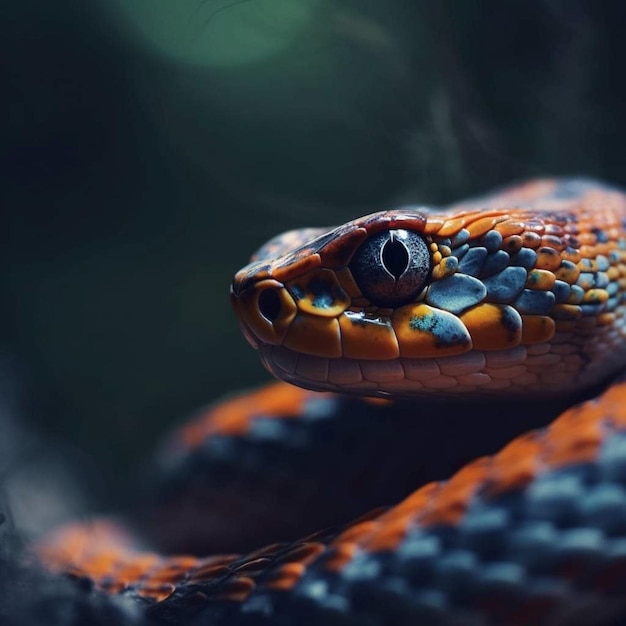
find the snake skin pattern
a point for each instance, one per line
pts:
(516, 297)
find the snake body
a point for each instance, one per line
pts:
(515, 298)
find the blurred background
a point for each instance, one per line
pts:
(148, 147)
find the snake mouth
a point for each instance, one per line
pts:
(504, 373)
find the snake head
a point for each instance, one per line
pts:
(477, 298)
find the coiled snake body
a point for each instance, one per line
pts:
(513, 300)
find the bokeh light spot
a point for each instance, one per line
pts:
(217, 32)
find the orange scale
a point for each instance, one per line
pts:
(286, 577)
(542, 280)
(604, 248)
(617, 418)
(613, 272)
(552, 241)
(591, 264)
(613, 233)
(493, 326)
(339, 251)
(388, 536)
(439, 271)
(583, 225)
(260, 271)
(394, 219)
(451, 501)
(554, 228)
(481, 226)
(452, 227)
(103, 563)
(531, 240)
(510, 228)
(468, 476)
(447, 266)
(571, 254)
(595, 296)
(578, 418)
(515, 465)
(309, 287)
(433, 225)
(155, 592)
(235, 589)
(537, 329)
(339, 556)
(317, 336)
(566, 312)
(205, 574)
(447, 510)
(606, 319)
(424, 331)
(368, 338)
(587, 252)
(587, 238)
(512, 244)
(548, 259)
(168, 574)
(579, 447)
(584, 421)
(567, 274)
(137, 567)
(536, 227)
(417, 502)
(299, 262)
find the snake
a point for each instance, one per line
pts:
(497, 314)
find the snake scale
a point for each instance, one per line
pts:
(516, 299)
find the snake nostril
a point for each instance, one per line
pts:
(269, 304)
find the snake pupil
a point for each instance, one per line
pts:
(269, 305)
(395, 256)
(392, 266)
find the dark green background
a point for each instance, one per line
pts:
(148, 147)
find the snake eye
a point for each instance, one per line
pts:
(391, 267)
